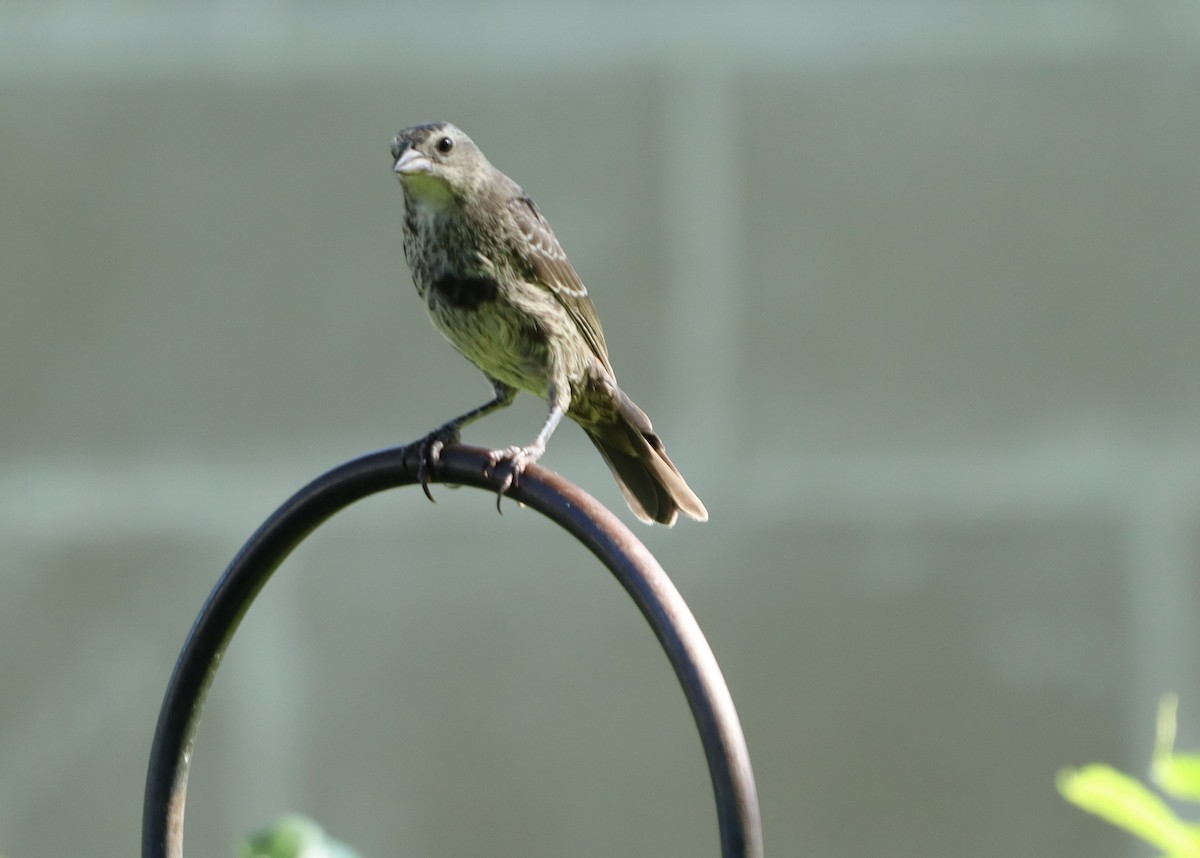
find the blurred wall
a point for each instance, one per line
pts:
(909, 289)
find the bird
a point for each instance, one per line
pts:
(497, 285)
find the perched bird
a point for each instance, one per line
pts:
(500, 289)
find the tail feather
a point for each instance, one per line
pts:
(649, 480)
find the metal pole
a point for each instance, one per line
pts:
(559, 500)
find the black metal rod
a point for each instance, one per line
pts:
(559, 500)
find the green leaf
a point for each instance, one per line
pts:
(1178, 775)
(294, 836)
(1125, 802)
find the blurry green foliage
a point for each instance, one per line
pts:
(1128, 804)
(293, 836)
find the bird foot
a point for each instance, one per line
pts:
(512, 461)
(431, 447)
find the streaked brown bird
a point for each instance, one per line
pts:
(499, 287)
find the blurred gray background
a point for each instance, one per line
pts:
(909, 288)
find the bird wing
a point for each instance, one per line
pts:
(550, 266)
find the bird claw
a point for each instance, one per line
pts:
(430, 452)
(514, 461)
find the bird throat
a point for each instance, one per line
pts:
(427, 191)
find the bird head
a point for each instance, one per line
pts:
(438, 162)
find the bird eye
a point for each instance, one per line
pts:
(445, 145)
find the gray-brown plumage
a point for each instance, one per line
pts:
(500, 289)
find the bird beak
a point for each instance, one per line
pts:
(411, 162)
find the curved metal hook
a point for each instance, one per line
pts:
(559, 500)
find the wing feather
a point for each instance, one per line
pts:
(550, 267)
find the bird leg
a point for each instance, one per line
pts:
(517, 459)
(448, 433)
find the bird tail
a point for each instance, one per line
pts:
(650, 482)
